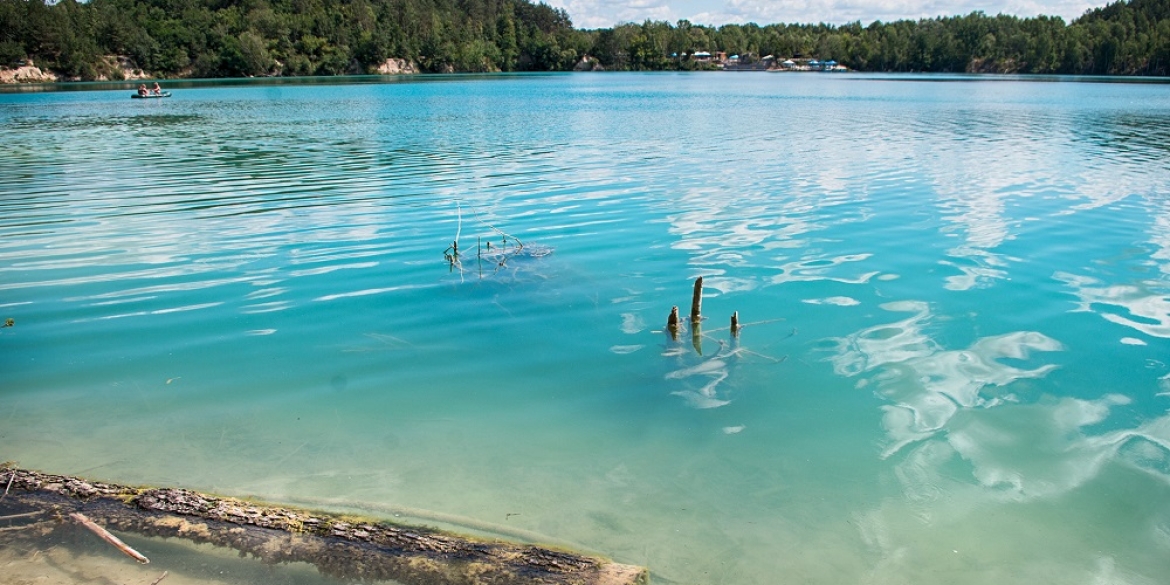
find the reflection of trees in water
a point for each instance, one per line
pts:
(1088, 158)
(1126, 157)
(1128, 137)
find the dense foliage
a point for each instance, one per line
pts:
(232, 38)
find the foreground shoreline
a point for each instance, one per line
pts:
(339, 546)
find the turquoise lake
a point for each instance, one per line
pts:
(956, 290)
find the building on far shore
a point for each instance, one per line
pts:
(750, 62)
(799, 64)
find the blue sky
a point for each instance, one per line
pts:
(607, 13)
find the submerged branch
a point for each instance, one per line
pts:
(110, 538)
(25, 515)
(506, 236)
(742, 326)
(27, 526)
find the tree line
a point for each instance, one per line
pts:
(239, 38)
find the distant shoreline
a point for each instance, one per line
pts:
(180, 84)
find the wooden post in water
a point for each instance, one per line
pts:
(697, 316)
(735, 324)
(697, 301)
(672, 322)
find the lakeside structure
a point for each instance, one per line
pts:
(810, 65)
(725, 62)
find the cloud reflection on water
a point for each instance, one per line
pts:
(778, 210)
(1149, 309)
(926, 384)
(946, 401)
(980, 217)
(965, 448)
(1160, 238)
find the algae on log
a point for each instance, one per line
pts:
(336, 545)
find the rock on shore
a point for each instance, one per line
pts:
(29, 73)
(110, 68)
(396, 67)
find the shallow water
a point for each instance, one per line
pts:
(70, 554)
(957, 292)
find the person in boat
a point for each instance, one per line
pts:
(157, 90)
(142, 89)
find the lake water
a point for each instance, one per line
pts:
(956, 290)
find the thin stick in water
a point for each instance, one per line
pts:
(26, 526)
(11, 476)
(519, 244)
(110, 538)
(24, 515)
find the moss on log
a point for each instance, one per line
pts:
(340, 546)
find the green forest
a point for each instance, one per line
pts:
(243, 38)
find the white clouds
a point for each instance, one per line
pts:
(606, 13)
(589, 14)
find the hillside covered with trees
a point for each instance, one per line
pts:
(238, 38)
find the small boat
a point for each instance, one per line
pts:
(139, 96)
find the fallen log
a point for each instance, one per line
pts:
(341, 546)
